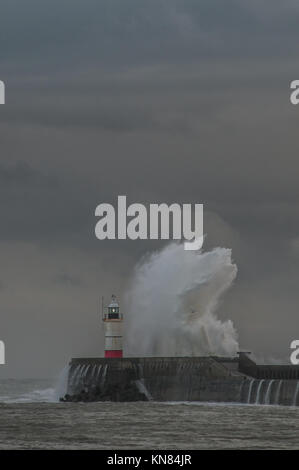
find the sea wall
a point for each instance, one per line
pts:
(161, 379)
(209, 379)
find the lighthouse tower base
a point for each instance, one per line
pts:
(114, 353)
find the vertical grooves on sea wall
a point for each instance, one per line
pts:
(270, 392)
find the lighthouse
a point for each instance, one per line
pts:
(113, 321)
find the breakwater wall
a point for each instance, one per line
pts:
(209, 379)
(160, 379)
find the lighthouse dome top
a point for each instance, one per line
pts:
(114, 302)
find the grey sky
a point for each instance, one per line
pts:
(173, 101)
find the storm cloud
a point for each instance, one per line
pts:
(163, 101)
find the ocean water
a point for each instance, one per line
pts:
(31, 418)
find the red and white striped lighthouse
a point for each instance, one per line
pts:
(113, 321)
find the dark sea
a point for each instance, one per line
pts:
(31, 417)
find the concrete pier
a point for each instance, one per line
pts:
(209, 379)
(162, 379)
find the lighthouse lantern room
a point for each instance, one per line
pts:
(113, 321)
